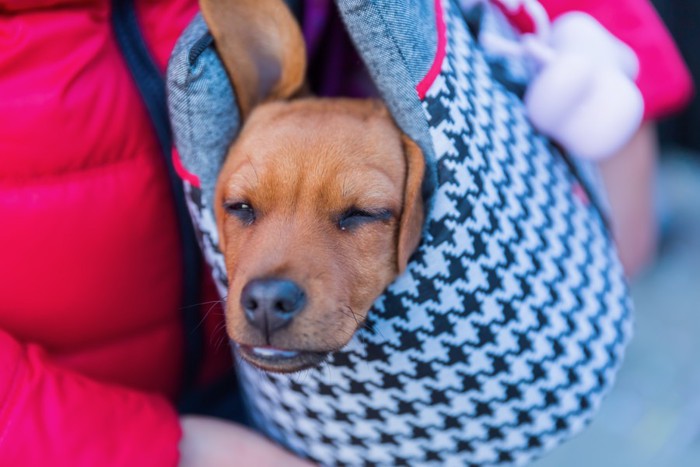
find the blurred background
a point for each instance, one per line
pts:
(652, 415)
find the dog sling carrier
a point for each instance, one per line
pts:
(505, 331)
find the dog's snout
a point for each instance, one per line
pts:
(271, 304)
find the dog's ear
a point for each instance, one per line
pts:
(261, 46)
(413, 214)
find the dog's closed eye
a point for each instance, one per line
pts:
(242, 210)
(355, 217)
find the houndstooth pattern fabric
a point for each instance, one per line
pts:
(203, 220)
(506, 330)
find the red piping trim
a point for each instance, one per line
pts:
(580, 193)
(428, 80)
(184, 174)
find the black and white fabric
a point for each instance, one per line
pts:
(506, 330)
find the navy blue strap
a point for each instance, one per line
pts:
(151, 86)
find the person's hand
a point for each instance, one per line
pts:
(629, 178)
(210, 442)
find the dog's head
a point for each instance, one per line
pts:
(318, 204)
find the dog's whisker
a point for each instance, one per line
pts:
(219, 342)
(354, 315)
(211, 308)
(359, 322)
(218, 334)
(257, 179)
(220, 326)
(202, 303)
(351, 314)
(365, 323)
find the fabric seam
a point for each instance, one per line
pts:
(6, 419)
(426, 83)
(141, 156)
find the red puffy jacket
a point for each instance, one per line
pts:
(91, 338)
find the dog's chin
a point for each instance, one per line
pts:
(279, 360)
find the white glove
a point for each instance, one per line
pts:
(584, 96)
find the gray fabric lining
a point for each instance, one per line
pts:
(203, 110)
(397, 42)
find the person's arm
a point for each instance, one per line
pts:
(212, 442)
(629, 178)
(52, 416)
(666, 86)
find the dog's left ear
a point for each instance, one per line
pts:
(412, 215)
(261, 46)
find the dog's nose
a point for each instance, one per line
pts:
(271, 304)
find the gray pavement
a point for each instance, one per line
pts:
(651, 418)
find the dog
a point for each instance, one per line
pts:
(318, 204)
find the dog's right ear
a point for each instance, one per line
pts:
(413, 214)
(261, 46)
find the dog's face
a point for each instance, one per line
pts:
(318, 207)
(318, 204)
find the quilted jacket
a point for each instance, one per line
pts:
(91, 334)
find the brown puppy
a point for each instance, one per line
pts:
(318, 204)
